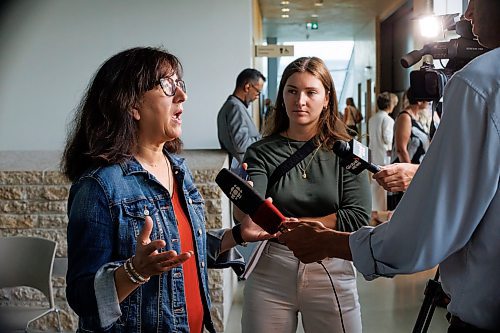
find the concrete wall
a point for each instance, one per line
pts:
(50, 49)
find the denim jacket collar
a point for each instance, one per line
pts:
(131, 165)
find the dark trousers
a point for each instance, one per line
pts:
(458, 326)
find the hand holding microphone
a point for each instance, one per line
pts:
(354, 156)
(396, 177)
(243, 196)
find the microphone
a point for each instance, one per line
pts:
(262, 212)
(354, 156)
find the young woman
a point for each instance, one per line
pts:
(317, 187)
(135, 215)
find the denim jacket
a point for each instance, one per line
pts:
(106, 210)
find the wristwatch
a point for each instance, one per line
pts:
(236, 231)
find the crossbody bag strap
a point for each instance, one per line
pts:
(291, 161)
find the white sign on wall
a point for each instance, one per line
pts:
(273, 51)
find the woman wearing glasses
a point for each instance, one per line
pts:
(137, 248)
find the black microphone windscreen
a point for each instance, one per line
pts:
(341, 148)
(239, 191)
(262, 212)
(354, 156)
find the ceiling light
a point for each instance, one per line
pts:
(285, 10)
(318, 3)
(430, 26)
(314, 15)
(285, 2)
(285, 15)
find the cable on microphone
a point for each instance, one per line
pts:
(336, 296)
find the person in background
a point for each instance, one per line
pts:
(268, 108)
(352, 117)
(137, 249)
(280, 286)
(449, 214)
(411, 141)
(394, 100)
(235, 128)
(424, 118)
(380, 129)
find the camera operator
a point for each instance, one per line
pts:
(450, 213)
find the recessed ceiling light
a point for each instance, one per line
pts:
(318, 3)
(285, 10)
(285, 15)
(285, 2)
(314, 15)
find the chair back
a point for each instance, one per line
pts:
(27, 261)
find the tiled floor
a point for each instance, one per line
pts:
(387, 305)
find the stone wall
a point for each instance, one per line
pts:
(33, 195)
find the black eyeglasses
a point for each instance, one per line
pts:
(258, 91)
(169, 86)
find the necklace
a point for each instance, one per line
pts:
(153, 165)
(167, 180)
(303, 170)
(170, 177)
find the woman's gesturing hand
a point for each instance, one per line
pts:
(148, 260)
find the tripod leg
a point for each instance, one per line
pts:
(423, 315)
(429, 317)
(428, 305)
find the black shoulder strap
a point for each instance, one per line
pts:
(290, 162)
(405, 112)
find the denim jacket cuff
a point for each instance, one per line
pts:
(230, 258)
(108, 305)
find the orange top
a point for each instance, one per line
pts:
(190, 268)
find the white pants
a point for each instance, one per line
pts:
(280, 286)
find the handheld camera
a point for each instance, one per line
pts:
(428, 83)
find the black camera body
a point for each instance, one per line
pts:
(428, 83)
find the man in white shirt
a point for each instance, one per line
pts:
(450, 213)
(380, 131)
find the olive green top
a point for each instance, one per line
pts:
(328, 188)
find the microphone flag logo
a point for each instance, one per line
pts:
(236, 192)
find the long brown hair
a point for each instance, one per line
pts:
(103, 131)
(330, 127)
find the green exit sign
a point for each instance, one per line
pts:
(312, 25)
